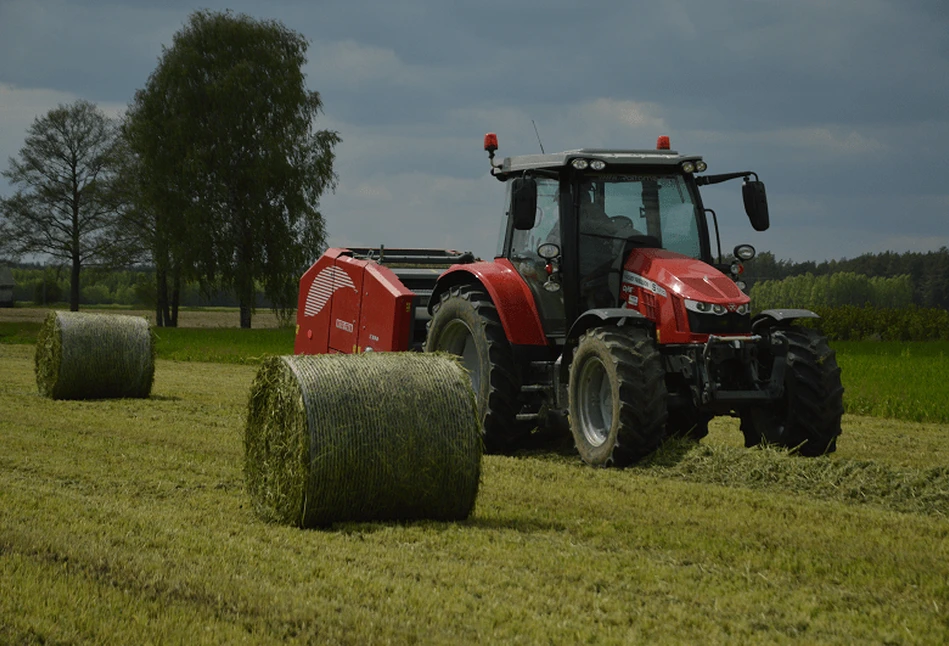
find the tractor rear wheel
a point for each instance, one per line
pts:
(617, 396)
(465, 323)
(807, 417)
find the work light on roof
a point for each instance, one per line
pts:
(597, 164)
(580, 164)
(688, 167)
(700, 166)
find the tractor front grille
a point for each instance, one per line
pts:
(729, 323)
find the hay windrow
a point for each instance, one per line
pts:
(94, 356)
(768, 468)
(377, 436)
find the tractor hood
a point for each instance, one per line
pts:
(683, 276)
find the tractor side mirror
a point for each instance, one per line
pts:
(756, 204)
(524, 202)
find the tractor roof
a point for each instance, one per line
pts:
(554, 161)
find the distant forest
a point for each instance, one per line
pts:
(924, 275)
(49, 285)
(927, 273)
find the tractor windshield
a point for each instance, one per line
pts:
(655, 209)
(660, 206)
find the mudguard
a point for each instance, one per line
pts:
(769, 318)
(509, 293)
(604, 315)
(592, 318)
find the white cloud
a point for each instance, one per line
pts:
(632, 114)
(837, 140)
(416, 209)
(349, 63)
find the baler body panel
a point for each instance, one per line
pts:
(348, 305)
(386, 315)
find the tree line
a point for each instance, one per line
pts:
(135, 287)
(924, 275)
(833, 290)
(213, 176)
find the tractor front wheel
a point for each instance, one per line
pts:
(465, 323)
(617, 396)
(807, 417)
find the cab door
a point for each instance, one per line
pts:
(522, 252)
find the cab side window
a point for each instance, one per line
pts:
(546, 222)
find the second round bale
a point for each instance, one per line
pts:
(94, 356)
(375, 436)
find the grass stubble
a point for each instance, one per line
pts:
(126, 521)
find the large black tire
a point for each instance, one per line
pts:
(618, 398)
(807, 418)
(465, 323)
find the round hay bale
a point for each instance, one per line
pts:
(94, 356)
(374, 436)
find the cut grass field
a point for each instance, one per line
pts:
(898, 380)
(126, 521)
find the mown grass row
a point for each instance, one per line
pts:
(923, 490)
(126, 521)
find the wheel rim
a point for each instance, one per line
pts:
(595, 405)
(456, 339)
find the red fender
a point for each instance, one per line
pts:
(510, 294)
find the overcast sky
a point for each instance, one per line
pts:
(841, 107)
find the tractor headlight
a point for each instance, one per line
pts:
(700, 166)
(688, 167)
(698, 306)
(716, 308)
(597, 164)
(580, 164)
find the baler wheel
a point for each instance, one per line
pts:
(807, 418)
(465, 323)
(618, 398)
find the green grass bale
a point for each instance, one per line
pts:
(94, 356)
(369, 437)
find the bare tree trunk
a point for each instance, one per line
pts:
(161, 298)
(175, 297)
(245, 275)
(74, 285)
(245, 314)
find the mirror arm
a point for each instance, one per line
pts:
(718, 239)
(703, 180)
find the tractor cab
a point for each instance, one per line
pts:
(575, 219)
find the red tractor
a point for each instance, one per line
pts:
(606, 308)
